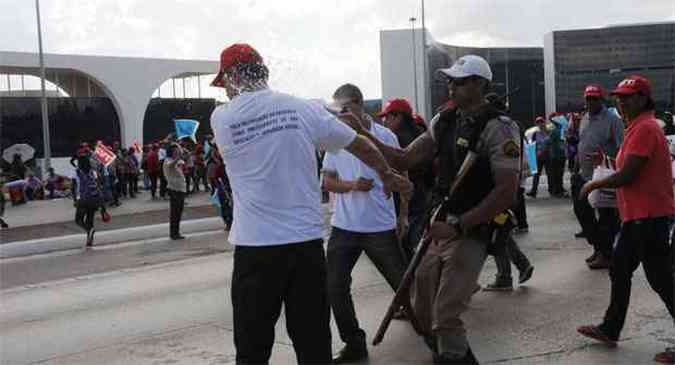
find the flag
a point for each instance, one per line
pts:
(207, 148)
(186, 128)
(531, 151)
(137, 147)
(563, 123)
(104, 154)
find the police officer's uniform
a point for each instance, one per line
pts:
(446, 277)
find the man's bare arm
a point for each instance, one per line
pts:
(498, 200)
(333, 184)
(421, 149)
(367, 152)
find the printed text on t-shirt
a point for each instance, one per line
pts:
(263, 125)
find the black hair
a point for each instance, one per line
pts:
(349, 91)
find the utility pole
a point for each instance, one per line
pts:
(45, 114)
(414, 57)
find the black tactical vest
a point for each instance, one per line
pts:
(455, 136)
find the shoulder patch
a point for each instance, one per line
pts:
(511, 149)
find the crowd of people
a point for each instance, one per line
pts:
(470, 162)
(471, 157)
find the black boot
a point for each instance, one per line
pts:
(467, 359)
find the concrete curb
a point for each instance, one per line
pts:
(61, 243)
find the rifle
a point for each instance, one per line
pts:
(402, 291)
(439, 211)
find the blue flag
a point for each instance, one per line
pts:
(207, 148)
(531, 150)
(186, 128)
(563, 123)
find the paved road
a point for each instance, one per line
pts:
(110, 308)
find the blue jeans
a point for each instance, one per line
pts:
(344, 249)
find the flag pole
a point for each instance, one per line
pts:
(45, 115)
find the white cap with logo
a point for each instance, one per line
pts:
(469, 65)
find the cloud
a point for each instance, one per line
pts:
(312, 46)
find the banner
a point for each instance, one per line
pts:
(531, 151)
(104, 155)
(186, 128)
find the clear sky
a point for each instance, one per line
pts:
(312, 46)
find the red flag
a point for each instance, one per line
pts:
(137, 147)
(104, 155)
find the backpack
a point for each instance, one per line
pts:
(88, 185)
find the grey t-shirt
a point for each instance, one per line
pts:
(603, 130)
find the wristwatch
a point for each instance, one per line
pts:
(453, 221)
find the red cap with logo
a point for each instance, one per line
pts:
(632, 85)
(396, 105)
(232, 56)
(593, 91)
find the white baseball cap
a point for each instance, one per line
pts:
(469, 65)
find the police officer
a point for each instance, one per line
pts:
(447, 275)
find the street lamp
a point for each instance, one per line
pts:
(414, 57)
(45, 116)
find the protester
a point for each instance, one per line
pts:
(18, 168)
(173, 171)
(599, 131)
(398, 116)
(89, 198)
(224, 194)
(540, 138)
(3, 224)
(556, 159)
(364, 221)
(645, 200)
(446, 278)
(264, 137)
(152, 169)
(55, 184)
(132, 172)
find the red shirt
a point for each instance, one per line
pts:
(650, 195)
(152, 162)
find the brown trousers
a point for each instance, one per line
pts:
(444, 283)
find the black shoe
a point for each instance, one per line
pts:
(177, 237)
(90, 238)
(500, 284)
(467, 359)
(525, 275)
(580, 234)
(351, 354)
(592, 257)
(531, 194)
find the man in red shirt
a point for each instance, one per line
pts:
(152, 166)
(645, 200)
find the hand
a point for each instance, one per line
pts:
(441, 231)
(362, 184)
(597, 158)
(402, 227)
(586, 189)
(395, 182)
(352, 120)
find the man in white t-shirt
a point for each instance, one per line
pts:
(268, 141)
(364, 221)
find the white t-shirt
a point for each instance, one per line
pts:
(268, 141)
(358, 211)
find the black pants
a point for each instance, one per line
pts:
(601, 230)
(84, 214)
(344, 249)
(519, 209)
(153, 183)
(176, 205)
(264, 279)
(554, 173)
(507, 252)
(643, 242)
(132, 181)
(542, 164)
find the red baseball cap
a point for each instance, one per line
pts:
(232, 56)
(593, 91)
(396, 105)
(634, 84)
(419, 120)
(540, 120)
